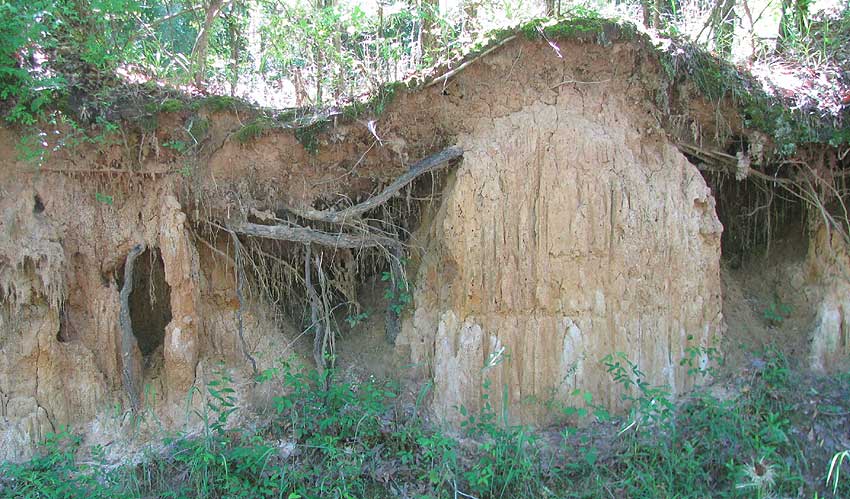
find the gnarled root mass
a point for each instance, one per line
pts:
(350, 233)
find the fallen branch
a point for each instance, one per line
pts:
(128, 339)
(307, 236)
(426, 165)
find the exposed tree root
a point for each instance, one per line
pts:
(342, 239)
(312, 236)
(817, 183)
(327, 348)
(129, 366)
(315, 304)
(369, 237)
(433, 162)
(237, 268)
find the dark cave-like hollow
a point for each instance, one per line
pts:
(150, 302)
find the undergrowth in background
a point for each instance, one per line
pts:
(355, 440)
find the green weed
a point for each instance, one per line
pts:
(253, 130)
(55, 473)
(397, 293)
(221, 103)
(171, 106)
(776, 312)
(348, 440)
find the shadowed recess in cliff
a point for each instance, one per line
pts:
(150, 304)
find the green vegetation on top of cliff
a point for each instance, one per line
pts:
(715, 78)
(59, 57)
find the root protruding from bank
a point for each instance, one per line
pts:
(344, 238)
(431, 163)
(240, 327)
(129, 362)
(308, 235)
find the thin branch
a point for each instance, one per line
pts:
(445, 77)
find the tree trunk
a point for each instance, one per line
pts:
(234, 39)
(202, 41)
(319, 55)
(647, 13)
(429, 10)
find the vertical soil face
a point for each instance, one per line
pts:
(565, 237)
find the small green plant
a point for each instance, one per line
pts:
(308, 135)
(339, 428)
(198, 128)
(253, 130)
(106, 136)
(222, 401)
(835, 464)
(33, 149)
(221, 103)
(398, 295)
(222, 462)
(587, 448)
(776, 312)
(175, 145)
(586, 409)
(648, 404)
(701, 360)
(171, 106)
(507, 455)
(54, 472)
(186, 169)
(354, 319)
(104, 198)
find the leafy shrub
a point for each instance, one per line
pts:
(507, 456)
(54, 473)
(346, 440)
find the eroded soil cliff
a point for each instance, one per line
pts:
(571, 228)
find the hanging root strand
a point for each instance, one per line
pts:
(129, 362)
